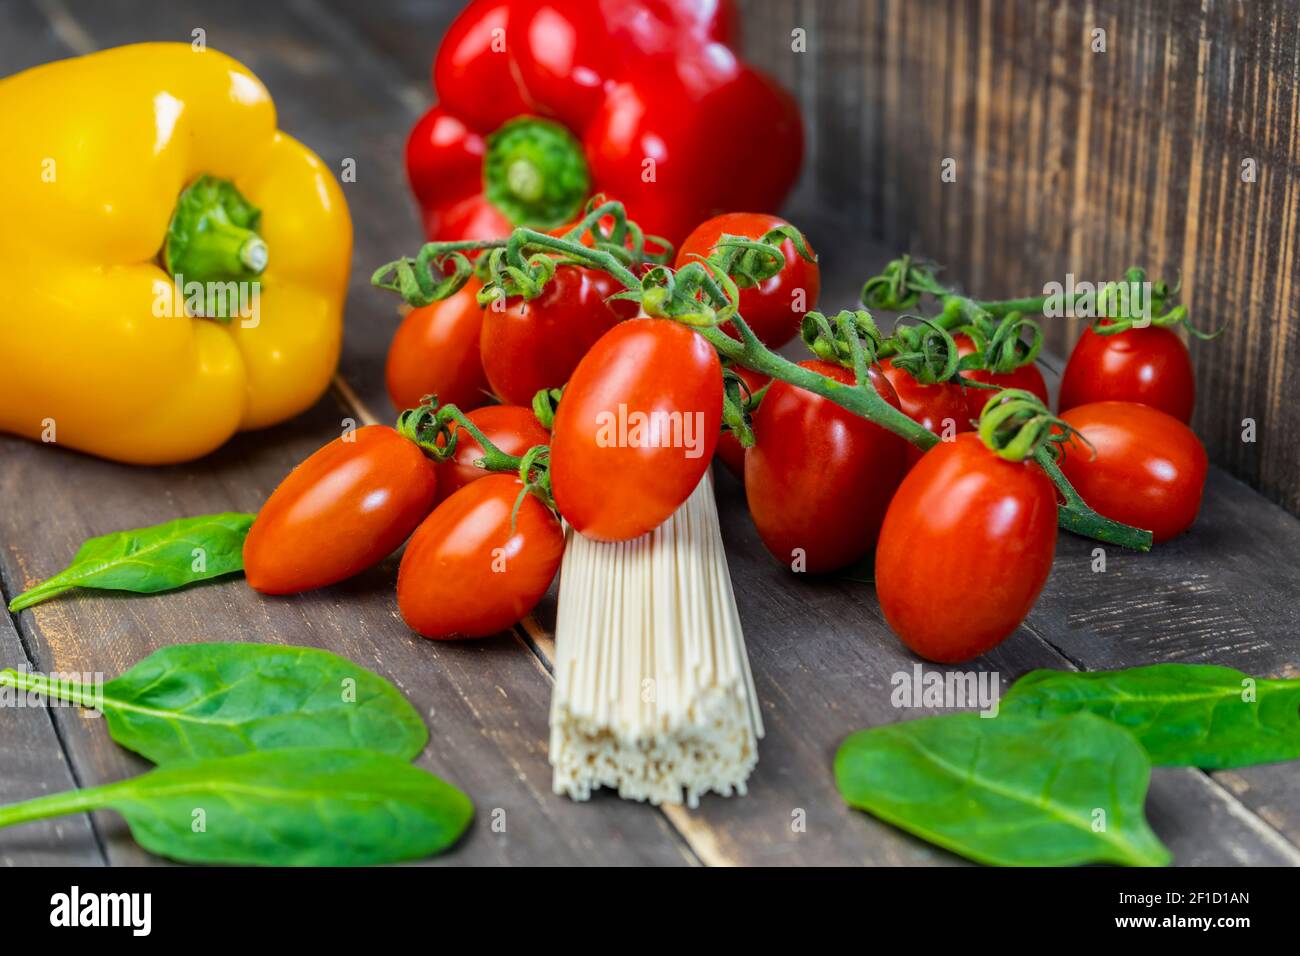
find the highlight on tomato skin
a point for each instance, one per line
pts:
(819, 478)
(1148, 365)
(636, 428)
(347, 507)
(1145, 468)
(466, 573)
(965, 549)
(436, 352)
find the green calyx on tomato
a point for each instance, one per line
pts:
(926, 351)
(829, 339)
(773, 268)
(1000, 348)
(437, 431)
(1015, 424)
(535, 173)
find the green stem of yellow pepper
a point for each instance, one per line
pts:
(213, 235)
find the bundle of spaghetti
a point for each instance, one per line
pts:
(653, 693)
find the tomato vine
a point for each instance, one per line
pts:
(702, 295)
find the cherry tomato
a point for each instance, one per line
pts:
(774, 308)
(636, 428)
(730, 451)
(1150, 365)
(511, 428)
(965, 549)
(818, 477)
(436, 352)
(1026, 377)
(941, 408)
(528, 346)
(465, 573)
(347, 507)
(1148, 470)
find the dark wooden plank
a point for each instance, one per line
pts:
(33, 764)
(486, 701)
(406, 33)
(1074, 161)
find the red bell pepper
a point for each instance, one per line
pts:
(544, 102)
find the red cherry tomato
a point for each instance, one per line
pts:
(636, 428)
(1148, 365)
(528, 346)
(465, 573)
(1027, 378)
(511, 428)
(1148, 471)
(730, 451)
(818, 477)
(347, 507)
(436, 352)
(940, 408)
(774, 308)
(965, 549)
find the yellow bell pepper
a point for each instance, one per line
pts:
(172, 267)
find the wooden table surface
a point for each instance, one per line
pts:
(349, 79)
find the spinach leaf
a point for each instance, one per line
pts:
(160, 558)
(1009, 790)
(1193, 715)
(213, 700)
(277, 808)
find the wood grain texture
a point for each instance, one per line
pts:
(349, 79)
(33, 764)
(1074, 161)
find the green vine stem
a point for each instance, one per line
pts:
(704, 296)
(904, 281)
(431, 427)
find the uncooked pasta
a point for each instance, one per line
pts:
(653, 692)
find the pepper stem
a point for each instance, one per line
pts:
(213, 236)
(535, 173)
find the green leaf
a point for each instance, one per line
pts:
(213, 700)
(1008, 790)
(1187, 715)
(277, 808)
(147, 560)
